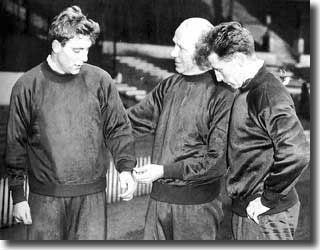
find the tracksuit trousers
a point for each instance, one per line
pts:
(67, 218)
(166, 221)
(279, 226)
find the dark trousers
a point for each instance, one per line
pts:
(72, 218)
(280, 226)
(165, 221)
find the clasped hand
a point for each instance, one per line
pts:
(127, 185)
(21, 213)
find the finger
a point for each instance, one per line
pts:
(23, 218)
(144, 180)
(17, 220)
(28, 218)
(140, 178)
(140, 170)
(255, 218)
(128, 198)
(134, 175)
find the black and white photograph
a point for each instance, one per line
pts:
(156, 120)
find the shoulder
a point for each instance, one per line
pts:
(172, 79)
(95, 72)
(269, 92)
(28, 79)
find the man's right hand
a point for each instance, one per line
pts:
(21, 212)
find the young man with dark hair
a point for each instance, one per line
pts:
(64, 114)
(267, 147)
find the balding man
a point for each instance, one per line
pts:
(188, 114)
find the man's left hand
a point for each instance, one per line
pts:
(128, 185)
(148, 173)
(255, 208)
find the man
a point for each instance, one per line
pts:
(267, 148)
(188, 114)
(63, 115)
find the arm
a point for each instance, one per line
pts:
(210, 165)
(117, 131)
(144, 116)
(291, 156)
(118, 138)
(16, 154)
(17, 129)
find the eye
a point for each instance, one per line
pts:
(76, 50)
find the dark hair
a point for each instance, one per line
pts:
(226, 39)
(71, 22)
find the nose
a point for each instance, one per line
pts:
(218, 76)
(174, 52)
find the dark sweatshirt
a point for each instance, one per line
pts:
(189, 118)
(59, 128)
(267, 147)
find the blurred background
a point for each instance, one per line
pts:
(134, 47)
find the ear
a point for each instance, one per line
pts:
(242, 58)
(56, 46)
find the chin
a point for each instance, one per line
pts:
(74, 72)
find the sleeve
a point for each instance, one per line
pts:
(17, 130)
(291, 156)
(213, 164)
(117, 131)
(144, 116)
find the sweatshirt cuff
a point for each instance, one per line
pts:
(126, 165)
(173, 170)
(17, 194)
(270, 199)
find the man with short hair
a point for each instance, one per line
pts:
(188, 114)
(63, 116)
(267, 147)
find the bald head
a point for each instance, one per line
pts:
(186, 37)
(196, 26)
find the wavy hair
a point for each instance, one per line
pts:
(70, 23)
(225, 39)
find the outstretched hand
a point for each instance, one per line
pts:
(148, 173)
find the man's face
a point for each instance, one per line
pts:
(71, 56)
(227, 70)
(184, 51)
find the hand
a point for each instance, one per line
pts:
(21, 212)
(148, 173)
(255, 208)
(127, 185)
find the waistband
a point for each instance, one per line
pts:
(66, 190)
(187, 195)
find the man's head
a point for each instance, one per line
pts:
(71, 35)
(229, 48)
(186, 38)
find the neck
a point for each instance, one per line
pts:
(195, 72)
(53, 65)
(251, 68)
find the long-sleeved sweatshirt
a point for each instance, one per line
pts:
(267, 147)
(59, 130)
(188, 116)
